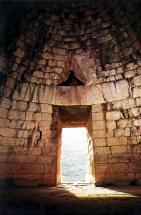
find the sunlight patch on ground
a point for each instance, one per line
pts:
(90, 191)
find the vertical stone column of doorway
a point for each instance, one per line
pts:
(101, 150)
(51, 177)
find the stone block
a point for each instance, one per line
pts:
(31, 168)
(4, 122)
(129, 74)
(101, 158)
(102, 150)
(118, 149)
(45, 108)
(113, 115)
(97, 116)
(3, 113)
(115, 91)
(111, 141)
(7, 132)
(137, 122)
(8, 141)
(135, 112)
(120, 167)
(46, 117)
(101, 168)
(111, 124)
(37, 117)
(97, 108)
(124, 123)
(137, 80)
(100, 142)
(136, 92)
(98, 125)
(49, 179)
(5, 103)
(99, 134)
(124, 104)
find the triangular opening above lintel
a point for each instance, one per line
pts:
(71, 81)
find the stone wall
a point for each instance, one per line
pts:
(104, 53)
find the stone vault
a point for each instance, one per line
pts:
(99, 43)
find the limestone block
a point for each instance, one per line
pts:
(47, 151)
(97, 108)
(129, 74)
(123, 140)
(46, 117)
(45, 108)
(118, 77)
(111, 141)
(5, 103)
(137, 80)
(101, 158)
(113, 115)
(118, 149)
(137, 122)
(138, 101)
(98, 125)
(136, 92)
(3, 113)
(99, 134)
(122, 132)
(102, 150)
(123, 123)
(29, 115)
(100, 142)
(8, 141)
(97, 116)
(31, 168)
(116, 141)
(4, 122)
(131, 66)
(115, 91)
(135, 167)
(33, 107)
(135, 112)
(37, 117)
(111, 124)
(132, 140)
(7, 132)
(120, 167)
(16, 115)
(101, 168)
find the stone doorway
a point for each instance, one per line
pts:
(72, 117)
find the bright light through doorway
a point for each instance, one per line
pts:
(74, 155)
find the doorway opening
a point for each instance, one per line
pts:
(70, 120)
(74, 155)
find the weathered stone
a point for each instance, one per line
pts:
(111, 124)
(136, 92)
(137, 80)
(118, 149)
(113, 115)
(98, 125)
(100, 142)
(118, 91)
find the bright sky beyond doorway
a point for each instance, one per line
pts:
(74, 154)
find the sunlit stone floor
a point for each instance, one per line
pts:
(71, 199)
